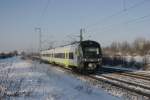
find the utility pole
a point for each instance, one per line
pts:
(81, 34)
(38, 29)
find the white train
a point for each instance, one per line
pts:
(84, 56)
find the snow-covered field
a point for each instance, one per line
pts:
(28, 80)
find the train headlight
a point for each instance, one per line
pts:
(90, 65)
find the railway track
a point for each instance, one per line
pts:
(133, 87)
(130, 86)
(127, 85)
(123, 83)
(135, 76)
(144, 74)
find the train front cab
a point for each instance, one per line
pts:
(90, 58)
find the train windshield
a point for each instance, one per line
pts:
(91, 52)
(91, 49)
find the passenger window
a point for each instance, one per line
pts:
(71, 55)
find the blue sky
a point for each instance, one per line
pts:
(61, 19)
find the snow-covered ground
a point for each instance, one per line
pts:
(138, 59)
(28, 80)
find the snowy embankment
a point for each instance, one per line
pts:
(28, 80)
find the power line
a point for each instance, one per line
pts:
(139, 18)
(137, 4)
(118, 13)
(126, 22)
(38, 29)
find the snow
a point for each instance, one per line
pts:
(34, 81)
(139, 59)
(147, 58)
(128, 58)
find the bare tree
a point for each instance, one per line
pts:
(125, 47)
(138, 45)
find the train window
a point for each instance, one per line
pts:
(94, 50)
(55, 55)
(59, 55)
(50, 55)
(44, 55)
(63, 55)
(47, 55)
(71, 55)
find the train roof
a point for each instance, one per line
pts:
(77, 42)
(72, 44)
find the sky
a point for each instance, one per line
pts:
(60, 21)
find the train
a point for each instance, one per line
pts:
(85, 56)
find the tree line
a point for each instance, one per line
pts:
(8, 54)
(133, 55)
(139, 46)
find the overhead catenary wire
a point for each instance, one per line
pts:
(133, 20)
(116, 14)
(42, 14)
(125, 9)
(124, 23)
(136, 19)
